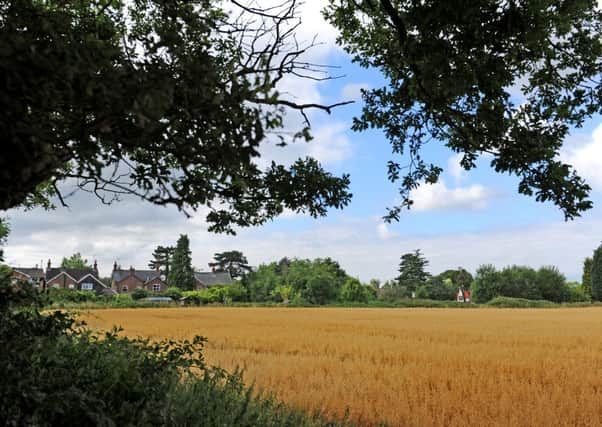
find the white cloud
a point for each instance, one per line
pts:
(455, 169)
(587, 159)
(353, 91)
(438, 196)
(383, 232)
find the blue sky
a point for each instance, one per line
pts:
(467, 219)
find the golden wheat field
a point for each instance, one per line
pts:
(407, 367)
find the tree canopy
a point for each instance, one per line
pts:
(168, 101)
(234, 262)
(75, 261)
(452, 68)
(162, 256)
(412, 272)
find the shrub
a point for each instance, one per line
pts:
(236, 292)
(508, 302)
(173, 292)
(139, 293)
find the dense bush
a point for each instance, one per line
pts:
(69, 295)
(507, 302)
(139, 293)
(54, 372)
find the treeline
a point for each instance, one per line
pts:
(300, 281)
(546, 283)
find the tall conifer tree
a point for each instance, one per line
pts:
(411, 270)
(181, 273)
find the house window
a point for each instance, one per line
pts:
(157, 287)
(71, 286)
(125, 288)
(56, 285)
(87, 286)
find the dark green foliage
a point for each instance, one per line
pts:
(161, 261)
(75, 261)
(552, 285)
(437, 289)
(460, 278)
(233, 262)
(110, 93)
(182, 274)
(586, 278)
(411, 271)
(56, 373)
(450, 67)
(597, 275)
(547, 283)
(486, 284)
(139, 293)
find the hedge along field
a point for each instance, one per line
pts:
(415, 367)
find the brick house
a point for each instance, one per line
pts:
(80, 279)
(204, 280)
(34, 275)
(124, 281)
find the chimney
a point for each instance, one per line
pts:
(132, 270)
(48, 265)
(96, 267)
(114, 265)
(157, 267)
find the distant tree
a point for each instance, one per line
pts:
(283, 265)
(233, 262)
(261, 284)
(75, 261)
(162, 256)
(586, 279)
(411, 270)
(375, 284)
(597, 275)
(439, 289)
(552, 285)
(353, 291)
(486, 283)
(460, 277)
(181, 274)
